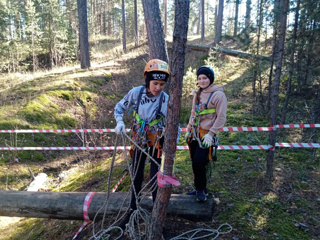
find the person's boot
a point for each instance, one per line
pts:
(201, 196)
(194, 192)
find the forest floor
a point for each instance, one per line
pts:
(289, 209)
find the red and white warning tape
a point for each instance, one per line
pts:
(298, 126)
(221, 147)
(86, 218)
(224, 129)
(63, 148)
(118, 183)
(299, 145)
(59, 130)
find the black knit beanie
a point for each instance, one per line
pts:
(206, 71)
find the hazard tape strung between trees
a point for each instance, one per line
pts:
(224, 129)
(221, 147)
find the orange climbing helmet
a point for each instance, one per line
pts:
(156, 70)
(156, 65)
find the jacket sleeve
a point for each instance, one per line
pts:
(220, 101)
(129, 99)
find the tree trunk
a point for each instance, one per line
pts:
(216, 15)
(124, 37)
(275, 36)
(293, 49)
(68, 3)
(235, 29)
(247, 23)
(110, 6)
(136, 31)
(104, 17)
(275, 88)
(156, 42)
(69, 205)
(218, 33)
(248, 15)
(175, 91)
(83, 34)
(165, 18)
(202, 19)
(257, 73)
(199, 18)
(227, 51)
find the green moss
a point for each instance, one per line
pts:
(13, 123)
(64, 94)
(45, 114)
(83, 97)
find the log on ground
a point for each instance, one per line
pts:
(69, 205)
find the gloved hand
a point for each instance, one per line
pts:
(120, 128)
(206, 140)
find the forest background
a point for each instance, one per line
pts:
(43, 87)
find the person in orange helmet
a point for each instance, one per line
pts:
(149, 111)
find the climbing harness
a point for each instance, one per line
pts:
(146, 134)
(197, 133)
(204, 111)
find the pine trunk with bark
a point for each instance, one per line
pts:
(291, 67)
(218, 33)
(202, 19)
(235, 29)
(275, 88)
(136, 32)
(256, 72)
(165, 18)
(175, 91)
(124, 34)
(83, 34)
(155, 35)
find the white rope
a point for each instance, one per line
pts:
(135, 229)
(208, 233)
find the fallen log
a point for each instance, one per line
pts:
(69, 205)
(227, 51)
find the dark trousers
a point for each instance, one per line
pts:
(138, 163)
(200, 158)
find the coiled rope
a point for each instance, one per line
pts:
(135, 230)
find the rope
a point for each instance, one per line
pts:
(209, 233)
(104, 233)
(134, 229)
(141, 149)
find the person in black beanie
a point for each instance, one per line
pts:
(208, 115)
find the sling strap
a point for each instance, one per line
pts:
(205, 111)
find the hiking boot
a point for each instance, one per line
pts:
(194, 192)
(201, 196)
(125, 220)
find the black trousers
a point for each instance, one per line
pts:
(138, 164)
(200, 159)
